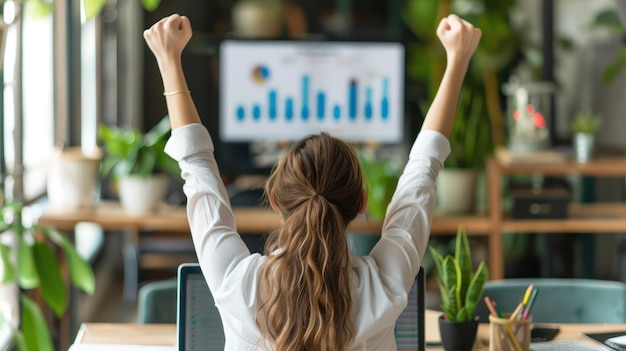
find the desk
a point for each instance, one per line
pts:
(165, 334)
(110, 216)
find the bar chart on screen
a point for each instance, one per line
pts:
(285, 90)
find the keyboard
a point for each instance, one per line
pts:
(563, 345)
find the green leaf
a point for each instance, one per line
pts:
(609, 19)
(464, 260)
(146, 162)
(34, 327)
(81, 273)
(158, 132)
(8, 271)
(475, 289)
(26, 270)
(39, 8)
(616, 67)
(20, 343)
(150, 5)
(450, 281)
(421, 17)
(93, 8)
(52, 285)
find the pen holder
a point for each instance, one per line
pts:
(507, 335)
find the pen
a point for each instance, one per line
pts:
(529, 290)
(490, 306)
(530, 304)
(517, 312)
(500, 315)
(527, 294)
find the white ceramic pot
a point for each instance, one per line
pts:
(73, 180)
(139, 196)
(456, 190)
(584, 145)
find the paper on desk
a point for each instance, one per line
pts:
(111, 347)
(431, 321)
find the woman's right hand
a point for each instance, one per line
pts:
(168, 37)
(459, 38)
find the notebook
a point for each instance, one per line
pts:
(563, 345)
(616, 340)
(199, 326)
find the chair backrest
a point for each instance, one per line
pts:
(560, 300)
(156, 302)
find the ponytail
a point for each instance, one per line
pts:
(305, 300)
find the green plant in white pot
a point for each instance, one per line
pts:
(28, 262)
(585, 126)
(461, 289)
(138, 165)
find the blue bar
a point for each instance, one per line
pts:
(256, 112)
(272, 104)
(352, 99)
(368, 104)
(289, 109)
(321, 101)
(337, 112)
(305, 98)
(384, 105)
(241, 113)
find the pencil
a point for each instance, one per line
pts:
(530, 304)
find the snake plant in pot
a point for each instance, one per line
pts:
(29, 261)
(461, 288)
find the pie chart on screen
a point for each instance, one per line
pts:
(260, 74)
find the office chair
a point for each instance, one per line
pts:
(156, 302)
(560, 300)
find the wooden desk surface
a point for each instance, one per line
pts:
(165, 334)
(127, 334)
(110, 216)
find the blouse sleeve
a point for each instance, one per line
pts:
(218, 245)
(407, 224)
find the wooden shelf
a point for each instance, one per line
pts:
(592, 218)
(478, 224)
(599, 166)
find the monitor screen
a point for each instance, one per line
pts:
(286, 90)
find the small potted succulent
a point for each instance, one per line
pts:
(461, 289)
(585, 126)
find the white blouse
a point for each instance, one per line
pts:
(381, 281)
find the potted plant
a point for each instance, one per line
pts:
(30, 264)
(460, 289)
(138, 165)
(585, 126)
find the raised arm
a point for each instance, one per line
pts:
(460, 39)
(167, 39)
(407, 225)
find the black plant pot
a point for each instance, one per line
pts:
(458, 336)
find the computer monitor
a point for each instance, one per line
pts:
(286, 90)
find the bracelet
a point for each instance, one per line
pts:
(176, 92)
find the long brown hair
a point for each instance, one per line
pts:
(305, 299)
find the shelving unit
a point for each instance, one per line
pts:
(582, 218)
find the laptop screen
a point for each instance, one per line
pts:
(200, 327)
(199, 324)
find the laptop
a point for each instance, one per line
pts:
(198, 322)
(199, 326)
